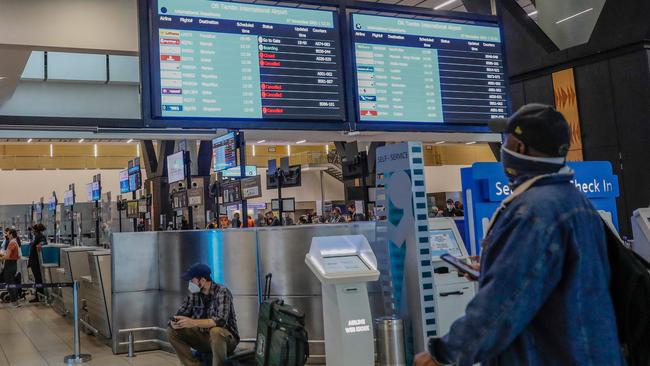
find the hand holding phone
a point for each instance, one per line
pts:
(461, 266)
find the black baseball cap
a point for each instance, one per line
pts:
(197, 270)
(539, 127)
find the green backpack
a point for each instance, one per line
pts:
(282, 338)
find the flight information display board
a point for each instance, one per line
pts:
(215, 60)
(427, 72)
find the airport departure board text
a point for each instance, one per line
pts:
(214, 59)
(421, 71)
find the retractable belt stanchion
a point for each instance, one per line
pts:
(77, 357)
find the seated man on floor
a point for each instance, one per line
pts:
(206, 321)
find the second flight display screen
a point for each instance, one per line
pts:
(233, 60)
(419, 71)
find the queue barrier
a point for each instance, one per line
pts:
(77, 357)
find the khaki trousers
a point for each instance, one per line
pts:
(219, 342)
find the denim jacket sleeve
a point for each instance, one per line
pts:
(521, 265)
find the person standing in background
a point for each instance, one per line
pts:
(34, 263)
(10, 258)
(261, 220)
(235, 223)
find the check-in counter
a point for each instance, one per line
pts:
(97, 292)
(147, 287)
(51, 271)
(74, 265)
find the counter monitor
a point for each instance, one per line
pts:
(344, 264)
(444, 241)
(124, 181)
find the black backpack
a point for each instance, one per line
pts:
(282, 338)
(630, 291)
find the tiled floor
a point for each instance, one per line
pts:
(38, 336)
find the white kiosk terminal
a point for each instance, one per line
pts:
(344, 264)
(452, 290)
(641, 232)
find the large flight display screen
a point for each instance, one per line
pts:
(428, 72)
(216, 60)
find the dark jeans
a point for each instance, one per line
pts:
(10, 278)
(38, 277)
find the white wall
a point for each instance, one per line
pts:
(25, 186)
(445, 178)
(309, 191)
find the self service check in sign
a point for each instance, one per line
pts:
(485, 186)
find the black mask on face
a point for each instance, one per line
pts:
(520, 168)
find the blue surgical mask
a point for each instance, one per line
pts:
(193, 287)
(520, 168)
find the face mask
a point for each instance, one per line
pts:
(519, 168)
(193, 287)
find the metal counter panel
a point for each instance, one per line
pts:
(135, 262)
(134, 310)
(97, 292)
(231, 254)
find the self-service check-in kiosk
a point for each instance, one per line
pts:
(452, 290)
(344, 264)
(641, 232)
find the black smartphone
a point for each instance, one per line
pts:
(172, 319)
(461, 266)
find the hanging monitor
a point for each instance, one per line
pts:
(215, 63)
(176, 167)
(427, 74)
(224, 152)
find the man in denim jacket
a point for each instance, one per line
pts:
(544, 284)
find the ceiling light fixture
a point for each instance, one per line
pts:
(81, 140)
(137, 150)
(444, 4)
(253, 150)
(261, 141)
(288, 150)
(532, 13)
(327, 148)
(129, 141)
(300, 142)
(574, 15)
(440, 142)
(51, 150)
(29, 141)
(95, 150)
(470, 143)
